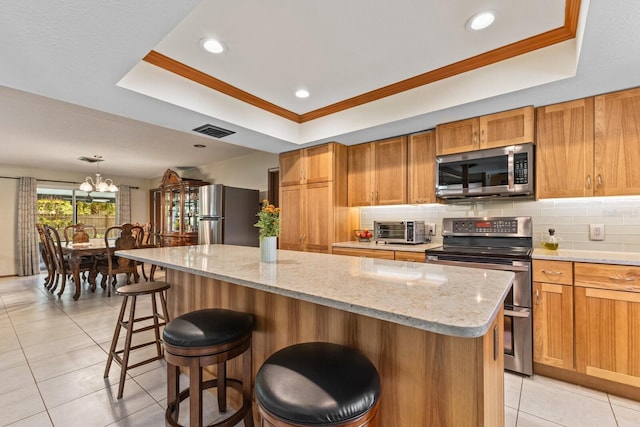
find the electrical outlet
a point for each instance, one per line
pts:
(431, 229)
(596, 231)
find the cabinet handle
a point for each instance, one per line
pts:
(625, 279)
(599, 181)
(372, 199)
(475, 138)
(554, 273)
(588, 182)
(377, 196)
(482, 140)
(537, 297)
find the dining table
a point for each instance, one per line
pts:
(75, 252)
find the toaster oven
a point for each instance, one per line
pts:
(407, 232)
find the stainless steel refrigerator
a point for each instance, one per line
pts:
(227, 215)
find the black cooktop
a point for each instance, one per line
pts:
(483, 251)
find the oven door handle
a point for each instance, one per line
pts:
(514, 268)
(513, 313)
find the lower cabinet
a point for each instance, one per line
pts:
(607, 315)
(381, 254)
(553, 325)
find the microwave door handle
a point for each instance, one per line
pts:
(510, 169)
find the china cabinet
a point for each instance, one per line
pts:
(179, 209)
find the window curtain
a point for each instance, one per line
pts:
(123, 204)
(28, 250)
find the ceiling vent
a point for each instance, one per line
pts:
(214, 131)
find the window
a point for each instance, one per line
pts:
(60, 207)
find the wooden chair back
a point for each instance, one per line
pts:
(79, 233)
(46, 253)
(127, 236)
(54, 245)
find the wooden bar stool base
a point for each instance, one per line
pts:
(121, 357)
(228, 335)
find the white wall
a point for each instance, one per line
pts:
(569, 217)
(9, 210)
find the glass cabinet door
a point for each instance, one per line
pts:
(190, 209)
(168, 212)
(176, 218)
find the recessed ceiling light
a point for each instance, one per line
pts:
(481, 20)
(212, 45)
(302, 93)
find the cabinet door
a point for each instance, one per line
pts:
(292, 216)
(359, 180)
(553, 325)
(506, 128)
(421, 172)
(319, 216)
(617, 143)
(564, 152)
(457, 137)
(318, 164)
(390, 172)
(410, 256)
(608, 334)
(291, 168)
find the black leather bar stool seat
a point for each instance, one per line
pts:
(202, 338)
(121, 357)
(318, 384)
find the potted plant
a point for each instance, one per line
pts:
(269, 225)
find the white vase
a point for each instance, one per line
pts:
(268, 246)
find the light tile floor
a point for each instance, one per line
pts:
(53, 352)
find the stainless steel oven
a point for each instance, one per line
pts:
(503, 243)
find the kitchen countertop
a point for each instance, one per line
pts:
(354, 244)
(453, 301)
(597, 257)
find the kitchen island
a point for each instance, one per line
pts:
(433, 332)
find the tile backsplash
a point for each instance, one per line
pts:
(569, 217)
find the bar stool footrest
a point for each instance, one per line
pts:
(235, 418)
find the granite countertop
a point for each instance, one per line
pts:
(596, 257)
(453, 301)
(354, 244)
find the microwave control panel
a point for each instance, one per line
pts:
(520, 168)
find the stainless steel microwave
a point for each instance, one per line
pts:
(495, 172)
(411, 232)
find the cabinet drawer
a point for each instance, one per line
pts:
(607, 276)
(367, 253)
(410, 256)
(560, 272)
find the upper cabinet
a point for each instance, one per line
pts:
(307, 166)
(617, 143)
(564, 149)
(421, 174)
(589, 147)
(490, 131)
(378, 173)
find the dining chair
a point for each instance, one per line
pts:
(46, 256)
(125, 236)
(61, 263)
(147, 241)
(79, 233)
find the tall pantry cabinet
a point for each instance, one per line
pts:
(313, 198)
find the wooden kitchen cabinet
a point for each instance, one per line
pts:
(314, 214)
(607, 316)
(553, 328)
(564, 149)
(366, 253)
(493, 130)
(378, 173)
(421, 168)
(410, 256)
(617, 143)
(308, 165)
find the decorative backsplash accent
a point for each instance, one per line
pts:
(569, 217)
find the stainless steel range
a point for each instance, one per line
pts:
(498, 243)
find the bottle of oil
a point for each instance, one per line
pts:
(552, 243)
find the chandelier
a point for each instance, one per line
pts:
(100, 184)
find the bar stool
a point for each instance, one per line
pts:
(202, 338)
(317, 384)
(133, 291)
